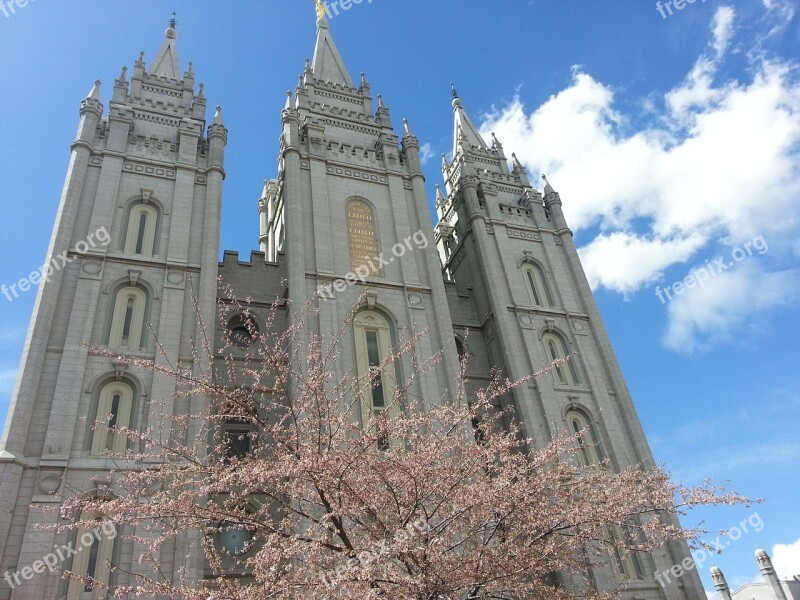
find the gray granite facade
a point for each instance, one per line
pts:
(499, 273)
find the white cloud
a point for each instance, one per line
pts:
(426, 153)
(783, 9)
(716, 164)
(622, 261)
(723, 29)
(726, 302)
(786, 559)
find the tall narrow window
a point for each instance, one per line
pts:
(565, 374)
(589, 450)
(95, 549)
(140, 236)
(362, 236)
(625, 564)
(127, 321)
(536, 282)
(373, 345)
(113, 411)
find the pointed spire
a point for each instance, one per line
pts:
(440, 199)
(328, 64)
(407, 127)
(218, 116)
(548, 189)
(464, 131)
(380, 102)
(288, 105)
(201, 94)
(94, 94)
(166, 61)
(123, 76)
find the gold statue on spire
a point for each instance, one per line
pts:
(320, 9)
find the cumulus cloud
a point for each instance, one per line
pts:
(711, 164)
(726, 303)
(786, 559)
(622, 261)
(426, 153)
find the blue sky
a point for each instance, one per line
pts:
(674, 142)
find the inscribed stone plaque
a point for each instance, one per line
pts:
(361, 236)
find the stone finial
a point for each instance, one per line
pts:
(218, 116)
(94, 94)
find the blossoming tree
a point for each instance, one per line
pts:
(277, 488)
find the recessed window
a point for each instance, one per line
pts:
(235, 539)
(536, 282)
(565, 374)
(240, 337)
(238, 439)
(373, 346)
(589, 449)
(140, 237)
(127, 322)
(93, 560)
(113, 412)
(625, 564)
(242, 331)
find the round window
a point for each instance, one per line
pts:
(235, 539)
(240, 337)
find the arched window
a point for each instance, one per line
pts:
(95, 547)
(625, 564)
(555, 348)
(536, 282)
(114, 406)
(127, 321)
(461, 349)
(373, 345)
(589, 449)
(140, 238)
(242, 331)
(362, 236)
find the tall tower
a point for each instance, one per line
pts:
(516, 285)
(138, 226)
(349, 213)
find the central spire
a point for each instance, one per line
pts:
(328, 64)
(166, 61)
(465, 134)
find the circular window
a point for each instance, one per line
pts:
(240, 337)
(235, 539)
